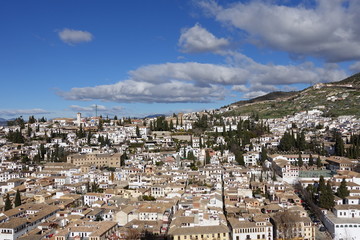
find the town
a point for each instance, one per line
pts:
(199, 175)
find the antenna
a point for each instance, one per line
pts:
(95, 110)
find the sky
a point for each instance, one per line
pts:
(138, 57)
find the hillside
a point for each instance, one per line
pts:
(353, 80)
(334, 99)
(266, 97)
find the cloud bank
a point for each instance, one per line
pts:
(328, 30)
(19, 112)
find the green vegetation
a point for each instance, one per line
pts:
(342, 191)
(148, 198)
(8, 204)
(17, 199)
(334, 99)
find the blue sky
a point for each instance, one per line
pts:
(134, 58)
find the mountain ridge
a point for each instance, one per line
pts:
(334, 99)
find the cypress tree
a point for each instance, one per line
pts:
(8, 204)
(311, 160)
(326, 199)
(274, 176)
(137, 130)
(263, 155)
(171, 125)
(321, 187)
(318, 162)
(300, 162)
(339, 145)
(207, 157)
(17, 199)
(342, 191)
(239, 158)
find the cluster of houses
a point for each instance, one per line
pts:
(121, 180)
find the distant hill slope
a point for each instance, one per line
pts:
(354, 80)
(266, 97)
(334, 99)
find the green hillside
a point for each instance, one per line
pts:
(333, 99)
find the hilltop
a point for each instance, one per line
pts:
(334, 99)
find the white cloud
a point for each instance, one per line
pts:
(19, 112)
(133, 91)
(198, 82)
(270, 74)
(197, 39)
(240, 88)
(191, 71)
(328, 30)
(72, 37)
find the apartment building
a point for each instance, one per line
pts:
(99, 160)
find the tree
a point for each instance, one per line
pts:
(326, 199)
(321, 187)
(318, 162)
(29, 130)
(300, 141)
(17, 199)
(342, 191)
(123, 158)
(300, 162)
(263, 155)
(239, 158)
(207, 157)
(148, 198)
(89, 138)
(311, 160)
(190, 155)
(8, 204)
(15, 137)
(171, 125)
(88, 188)
(339, 145)
(274, 176)
(286, 142)
(31, 119)
(137, 131)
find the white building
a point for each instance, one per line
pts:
(244, 229)
(344, 222)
